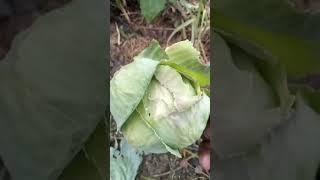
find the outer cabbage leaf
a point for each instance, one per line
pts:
(171, 114)
(186, 59)
(128, 87)
(129, 84)
(153, 51)
(140, 135)
(124, 164)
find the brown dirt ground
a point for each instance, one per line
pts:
(127, 40)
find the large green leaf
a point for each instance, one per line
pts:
(273, 27)
(170, 102)
(53, 91)
(149, 98)
(246, 106)
(128, 86)
(150, 8)
(130, 83)
(136, 130)
(124, 164)
(291, 152)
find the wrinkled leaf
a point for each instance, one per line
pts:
(53, 90)
(172, 102)
(150, 8)
(124, 164)
(169, 102)
(173, 111)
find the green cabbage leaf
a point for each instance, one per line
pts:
(157, 100)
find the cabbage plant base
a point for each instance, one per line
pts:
(159, 106)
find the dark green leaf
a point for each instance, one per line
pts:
(245, 104)
(275, 28)
(53, 91)
(291, 152)
(91, 161)
(151, 8)
(275, 75)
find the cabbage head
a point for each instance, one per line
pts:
(158, 100)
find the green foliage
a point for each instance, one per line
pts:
(183, 54)
(137, 76)
(91, 161)
(124, 164)
(150, 8)
(278, 34)
(158, 96)
(265, 128)
(256, 136)
(252, 109)
(53, 93)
